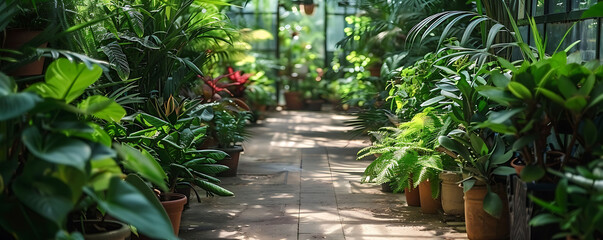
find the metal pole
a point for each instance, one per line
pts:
(277, 50)
(326, 51)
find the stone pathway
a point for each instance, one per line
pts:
(298, 179)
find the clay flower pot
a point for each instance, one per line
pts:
(428, 204)
(518, 164)
(294, 100)
(412, 196)
(452, 194)
(232, 163)
(174, 205)
(480, 224)
(15, 38)
(113, 230)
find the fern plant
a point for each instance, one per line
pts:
(407, 154)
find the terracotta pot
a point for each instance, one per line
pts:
(308, 8)
(15, 38)
(186, 191)
(481, 225)
(294, 100)
(518, 165)
(412, 196)
(375, 70)
(232, 163)
(174, 205)
(428, 204)
(314, 105)
(452, 194)
(114, 230)
(385, 187)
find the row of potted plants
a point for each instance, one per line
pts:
(461, 112)
(93, 141)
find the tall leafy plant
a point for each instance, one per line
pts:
(57, 161)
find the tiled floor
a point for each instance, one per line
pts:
(298, 179)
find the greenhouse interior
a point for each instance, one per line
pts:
(301, 119)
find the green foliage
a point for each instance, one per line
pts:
(169, 141)
(163, 45)
(541, 100)
(407, 152)
(229, 128)
(56, 162)
(576, 208)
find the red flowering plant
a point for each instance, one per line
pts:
(239, 80)
(212, 87)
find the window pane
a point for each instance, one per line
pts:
(335, 33)
(538, 7)
(582, 4)
(586, 32)
(521, 9)
(556, 6)
(555, 33)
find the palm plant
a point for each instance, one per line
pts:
(163, 45)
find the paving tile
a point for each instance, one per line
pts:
(299, 179)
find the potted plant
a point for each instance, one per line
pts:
(482, 153)
(227, 129)
(170, 141)
(576, 208)
(259, 98)
(21, 34)
(57, 162)
(550, 109)
(408, 157)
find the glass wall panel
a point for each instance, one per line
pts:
(557, 6)
(586, 32)
(582, 4)
(538, 7)
(555, 33)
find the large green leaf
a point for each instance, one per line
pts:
(127, 204)
(576, 103)
(14, 104)
(57, 148)
(496, 94)
(213, 188)
(544, 219)
(146, 191)
(66, 80)
(117, 59)
(102, 107)
(503, 171)
(208, 153)
(454, 146)
(531, 173)
(210, 169)
(142, 163)
(151, 121)
(519, 90)
(46, 196)
(594, 11)
(499, 79)
(493, 204)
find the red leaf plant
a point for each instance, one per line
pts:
(212, 87)
(239, 80)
